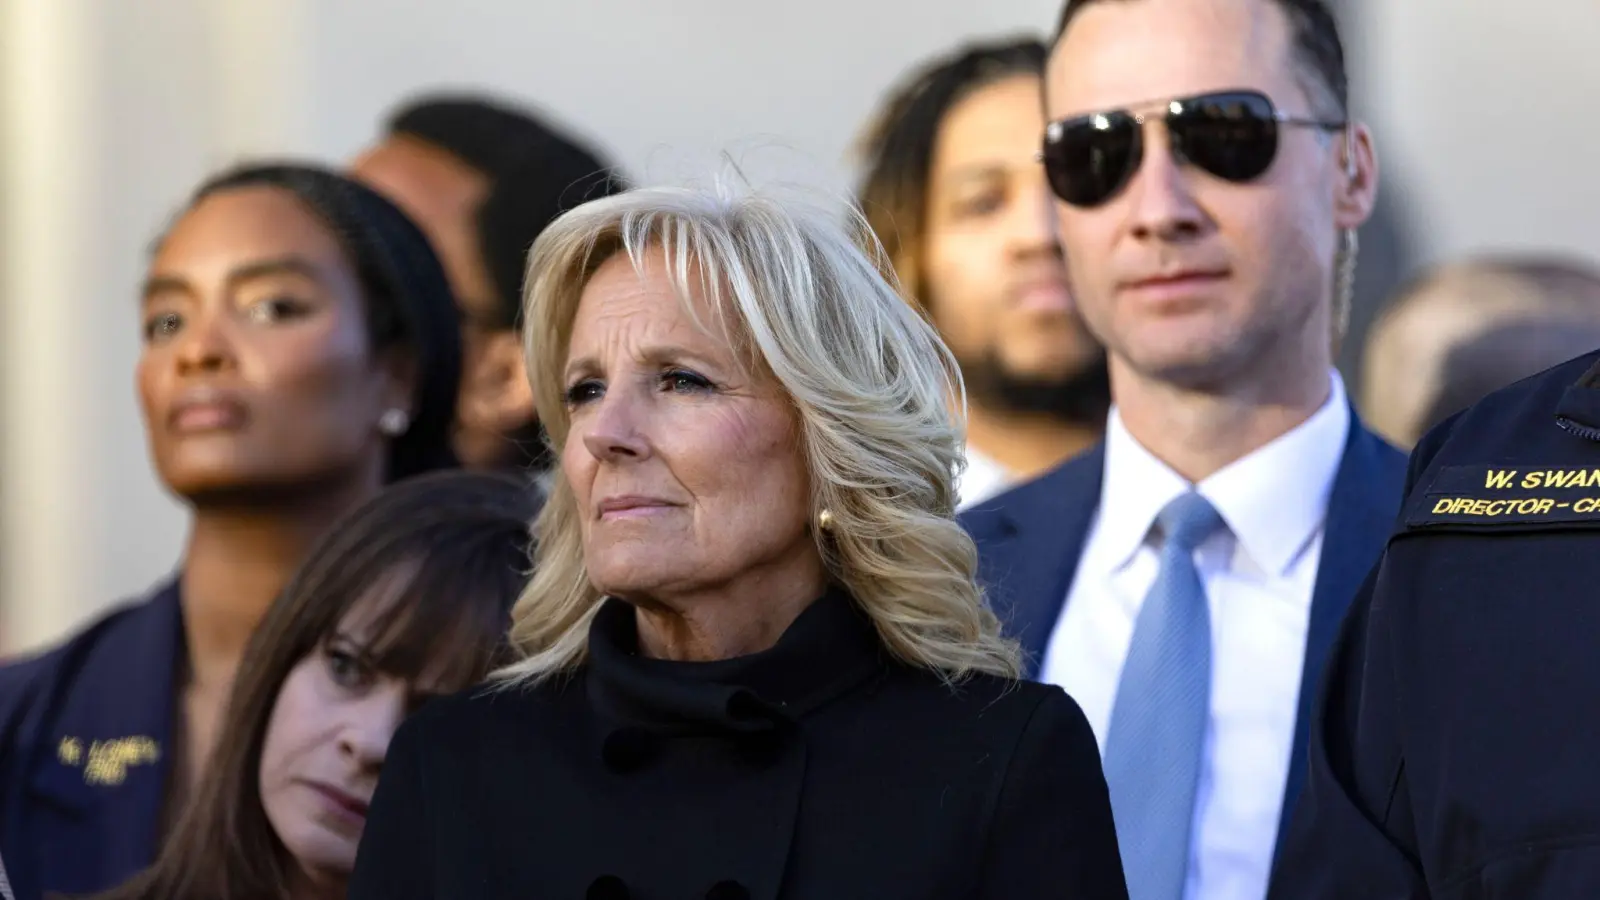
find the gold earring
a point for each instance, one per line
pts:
(825, 520)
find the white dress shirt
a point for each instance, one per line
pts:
(981, 479)
(1259, 573)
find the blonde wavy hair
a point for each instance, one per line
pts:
(812, 304)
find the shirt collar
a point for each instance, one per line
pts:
(982, 478)
(1273, 499)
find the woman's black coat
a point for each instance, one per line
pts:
(817, 770)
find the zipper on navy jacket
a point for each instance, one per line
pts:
(1588, 384)
(1584, 431)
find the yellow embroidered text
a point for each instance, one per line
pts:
(107, 762)
(1530, 506)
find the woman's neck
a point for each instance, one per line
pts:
(236, 563)
(742, 617)
(303, 886)
(1197, 433)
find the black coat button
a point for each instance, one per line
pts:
(607, 887)
(728, 890)
(628, 749)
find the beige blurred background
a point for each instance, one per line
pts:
(110, 111)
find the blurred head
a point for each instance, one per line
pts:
(715, 369)
(298, 337)
(483, 179)
(1501, 356)
(1209, 183)
(407, 599)
(1479, 323)
(955, 193)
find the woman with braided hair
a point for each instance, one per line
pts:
(300, 349)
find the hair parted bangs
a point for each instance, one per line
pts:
(424, 630)
(446, 546)
(813, 303)
(452, 550)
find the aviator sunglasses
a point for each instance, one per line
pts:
(1230, 134)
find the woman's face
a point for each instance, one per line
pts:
(325, 742)
(256, 371)
(687, 469)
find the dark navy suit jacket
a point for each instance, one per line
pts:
(1029, 540)
(85, 730)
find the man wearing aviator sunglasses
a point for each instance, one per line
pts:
(1231, 135)
(1184, 580)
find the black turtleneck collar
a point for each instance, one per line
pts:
(829, 649)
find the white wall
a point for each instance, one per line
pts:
(112, 110)
(665, 85)
(107, 119)
(1485, 109)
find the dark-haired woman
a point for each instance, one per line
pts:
(300, 350)
(410, 598)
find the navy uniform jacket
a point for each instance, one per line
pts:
(84, 733)
(1029, 540)
(1456, 748)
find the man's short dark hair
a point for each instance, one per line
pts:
(536, 171)
(486, 134)
(1317, 46)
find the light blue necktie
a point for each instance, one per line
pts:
(1158, 725)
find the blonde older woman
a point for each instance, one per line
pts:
(756, 663)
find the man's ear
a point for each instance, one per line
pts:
(498, 397)
(1357, 193)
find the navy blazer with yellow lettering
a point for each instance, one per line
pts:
(84, 732)
(1030, 537)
